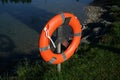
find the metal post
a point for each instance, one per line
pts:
(59, 51)
(59, 35)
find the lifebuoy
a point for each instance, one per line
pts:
(44, 40)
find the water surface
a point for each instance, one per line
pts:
(35, 13)
(21, 22)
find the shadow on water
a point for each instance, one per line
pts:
(6, 44)
(35, 18)
(23, 1)
(9, 58)
(77, 0)
(16, 1)
(6, 47)
(31, 16)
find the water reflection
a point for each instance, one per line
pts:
(21, 24)
(16, 1)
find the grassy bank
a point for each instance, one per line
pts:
(100, 61)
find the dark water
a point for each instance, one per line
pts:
(35, 13)
(21, 22)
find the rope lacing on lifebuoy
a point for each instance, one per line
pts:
(47, 35)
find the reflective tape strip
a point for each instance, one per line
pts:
(64, 56)
(52, 60)
(77, 34)
(67, 20)
(63, 17)
(45, 48)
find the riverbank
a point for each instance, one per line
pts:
(96, 22)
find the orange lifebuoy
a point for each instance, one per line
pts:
(44, 42)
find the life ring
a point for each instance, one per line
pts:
(44, 42)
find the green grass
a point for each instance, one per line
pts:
(94, 64)
(91, 62)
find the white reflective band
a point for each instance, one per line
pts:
(77, 34)
(47, 35)
(63, 17)
(45, 48)
(64, 56)
(52, 60)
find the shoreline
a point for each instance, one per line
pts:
(95, 23)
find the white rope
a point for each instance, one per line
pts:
(84, 27)
(47, 35)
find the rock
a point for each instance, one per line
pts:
(106, 23)
(84, 40)
(97, 29)
(115, 6)
(84, 26)
(93, 13)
